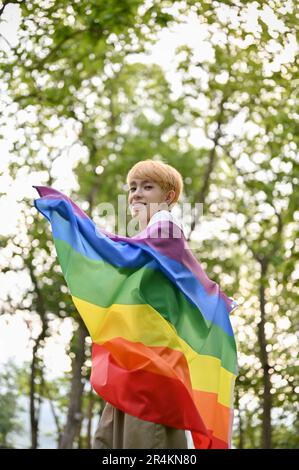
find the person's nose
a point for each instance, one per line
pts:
(137, 193)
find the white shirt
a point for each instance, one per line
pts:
(165, 215)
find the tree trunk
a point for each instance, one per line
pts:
(267, 398)
(203, 191)
(241, 431)
(89, 418)
(34, 401)
(33, 411)
(55, 415)
(74, 411)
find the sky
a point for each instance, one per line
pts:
(14, 334)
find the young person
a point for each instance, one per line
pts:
(154, 188)
(164, 356)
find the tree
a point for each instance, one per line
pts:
(70, 72)
(9, 405)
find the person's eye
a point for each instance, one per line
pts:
(148, 187)
(132, 189)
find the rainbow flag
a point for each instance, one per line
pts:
(163, 345)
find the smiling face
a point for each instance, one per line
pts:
(146, 197)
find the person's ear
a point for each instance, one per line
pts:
(170, 197)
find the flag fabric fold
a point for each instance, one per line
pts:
(163, 346)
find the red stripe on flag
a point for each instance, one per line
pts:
(145, 394)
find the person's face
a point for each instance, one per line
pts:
(146, 197)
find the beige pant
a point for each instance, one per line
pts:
(118, 430)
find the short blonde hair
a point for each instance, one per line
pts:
(162, 173)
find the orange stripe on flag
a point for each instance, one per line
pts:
(214, 415)
(157, 359)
